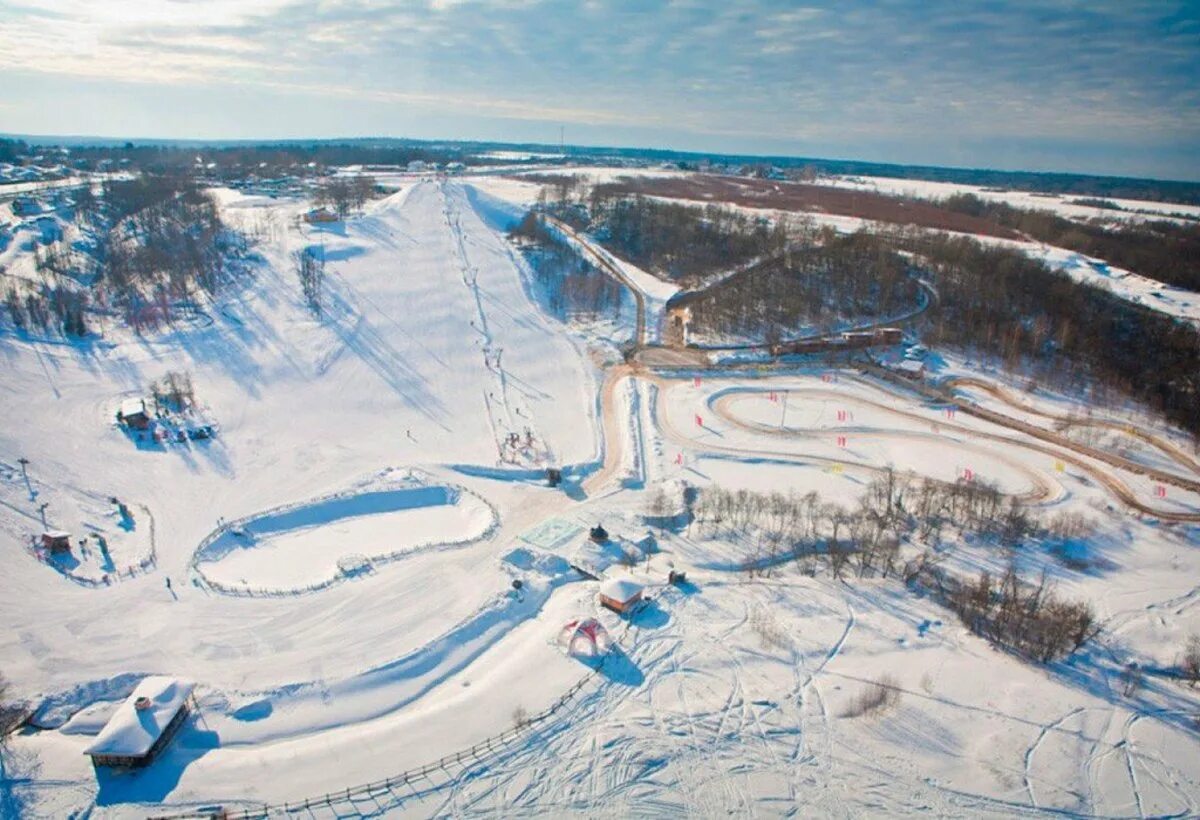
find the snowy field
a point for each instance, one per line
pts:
(1063, 205)
(364, 572)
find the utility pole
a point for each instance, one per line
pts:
(562, 140)
(24, 462)
(42, 510)
(783, 416)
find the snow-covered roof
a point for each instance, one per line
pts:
(620, 589)
(911, 366)
(131, 732)
(56, 534)
(131, 407)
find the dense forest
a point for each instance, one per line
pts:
(1000, 301)
(1162, 250)
(820, 284)
(681, 242)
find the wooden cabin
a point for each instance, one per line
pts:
(133, 414)
(620, 594)
(598, 534)
(56, 541)
(144, 724)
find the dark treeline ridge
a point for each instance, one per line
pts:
(240, 161)
(1048, 182)
(569, 284)
(1162, 250)
(681, 242)
(999, 301)
(824, 281)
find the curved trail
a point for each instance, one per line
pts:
(1113, 484)
(1051, 437)
(1173, 451)
(1043, 490)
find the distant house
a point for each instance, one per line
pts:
(455, 167)
(56, 541)
(598, 534)
(911, 369)
(416, 166)
(144, 724)
(620, 594)
(320, 215)
(132, 413)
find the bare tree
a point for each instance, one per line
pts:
(310, 267)
(1190, 665)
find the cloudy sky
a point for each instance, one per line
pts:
(1106, 86)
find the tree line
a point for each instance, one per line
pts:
(681, 243)
(866, 541)
(1003, 303)
(568, 283)
(345, 194)
(1163, 250)
(821, 281)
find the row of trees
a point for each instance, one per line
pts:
(310, 269)
(174, 392)
(1163, 250)
(683, 243)
(344, 194)
(49, 307)
(1031, 619)
(865, 541)
(567, 282)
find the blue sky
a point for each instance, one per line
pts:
(1105, 86)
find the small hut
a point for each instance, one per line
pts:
(598, 534)
(620, 594)
(318, 215)
(133, 414)
(56, 541)
(144, 724)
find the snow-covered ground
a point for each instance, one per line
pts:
(1063, 205)
(406, 430)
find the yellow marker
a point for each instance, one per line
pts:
(836, 468)
(1059, 466)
